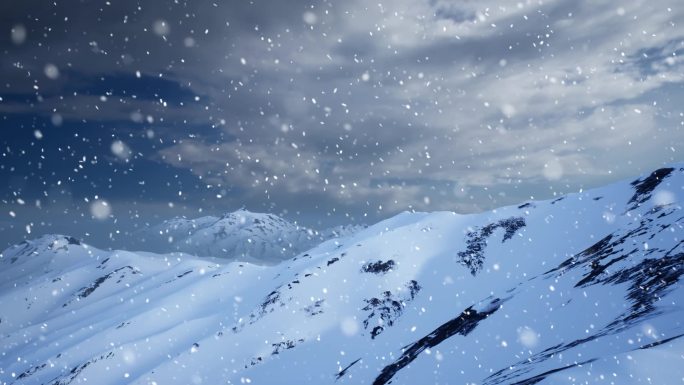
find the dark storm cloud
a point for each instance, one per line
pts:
(329, 111)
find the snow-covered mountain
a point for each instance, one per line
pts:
(241, 235)
(583, 289)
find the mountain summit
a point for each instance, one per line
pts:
(582, 289)
(241, 235)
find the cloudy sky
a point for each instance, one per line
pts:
(117, 113)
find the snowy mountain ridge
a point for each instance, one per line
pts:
(584, 288)
(241, 235)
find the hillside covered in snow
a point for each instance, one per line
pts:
(583, 289)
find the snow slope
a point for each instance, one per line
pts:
(582, 289)
(241, 235)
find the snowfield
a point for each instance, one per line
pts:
(583, 289)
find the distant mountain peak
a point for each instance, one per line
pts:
(240, 235)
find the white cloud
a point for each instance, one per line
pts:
(414, 99)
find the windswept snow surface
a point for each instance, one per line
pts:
(582, 289)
